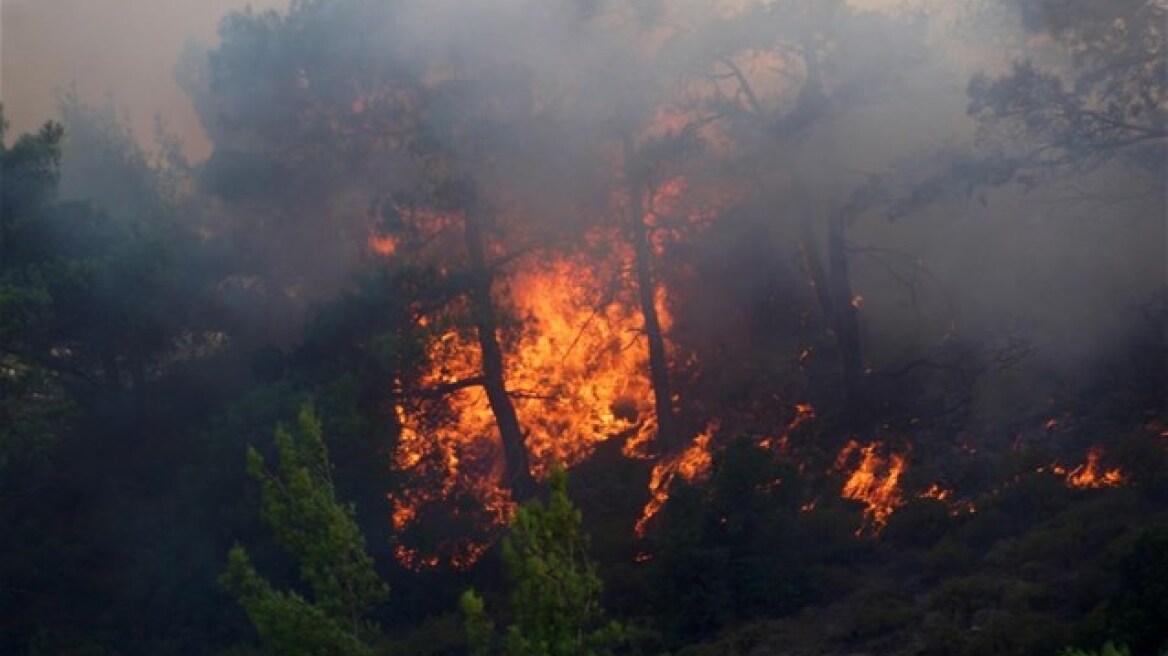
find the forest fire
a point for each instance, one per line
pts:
(804, 413)
(670, 327)
(874, 481)
(577, 357)
(689, 464)
(1089, 475)
(577, 369)
(946, 496)
(576, 376)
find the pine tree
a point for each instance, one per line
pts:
(300, 506)
(554, 604)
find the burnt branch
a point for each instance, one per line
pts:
(444, 389)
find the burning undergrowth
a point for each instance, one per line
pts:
(576, 361)
(664, 275)
(809, 296)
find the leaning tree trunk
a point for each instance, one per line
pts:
(668, 437)
(518, 470)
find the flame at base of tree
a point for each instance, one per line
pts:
(575, 363)
(874, 480)
(577, 369)
(690, 464)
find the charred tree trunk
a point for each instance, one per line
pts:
(815, 268)
(833, 291)
(518, 469)
(668, 438)
(846, 323)
(812, 102)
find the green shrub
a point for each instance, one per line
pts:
(554, 603)
(301, 508)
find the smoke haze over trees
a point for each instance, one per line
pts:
(848, 319)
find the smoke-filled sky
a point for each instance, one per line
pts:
(128, 49)
(123, 48)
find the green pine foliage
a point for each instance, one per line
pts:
(554, 604)
(301, 508)
(479, 628)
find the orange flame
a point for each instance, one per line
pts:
(689, 464)
(576, 369)
(937, 492)
(956, 506)
(1088, 475)
(575, 358)
(804, 413)
(874, 481)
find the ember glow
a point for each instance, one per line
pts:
(804, 413)
(937, 492)
(874, 480)
(946, 496)
(382, 245)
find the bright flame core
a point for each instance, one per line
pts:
(1090, 474)
(576, 368)
(874, 481)
(690, 464)
(576, 363)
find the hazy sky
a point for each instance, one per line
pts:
(127, 48)
(124, 48)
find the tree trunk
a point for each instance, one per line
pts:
(518, 470)
(833, 291)
(845, 322)
(668, 438)
(815, 268)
